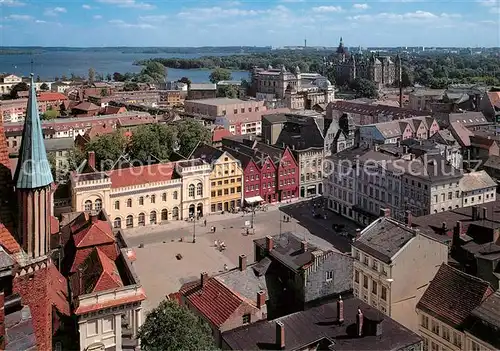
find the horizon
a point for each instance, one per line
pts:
(242, 46)
(277, 23)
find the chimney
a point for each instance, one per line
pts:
(280, 335)
(91, 159)
(409, 218)
(303, 246)
(475, 215)
(385, 212)
(457, 231)
(444, 227)
(269, 243)
(243, 262)
(485, 213)
(340, 310)
(359, 323)
(204, 278)
(261, 299)
(2, 320)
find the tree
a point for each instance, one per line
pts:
(185, 80)
(108, 148)
(131, 86)
(75, 158)
(153, 72)
(229, 91)
(406, 78)
(152, 140)
(50, 114)
(108, 77)
(189, 133)
(173, 327)
(118, 77)
(219, 74)
(364, 88)
(51, 157)
(104, 92)
(23, 86)
(64, 77)
(44, 87)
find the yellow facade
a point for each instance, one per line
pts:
(226, 182)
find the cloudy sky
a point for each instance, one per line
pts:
(249, 22)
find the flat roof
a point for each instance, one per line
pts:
(219, 101)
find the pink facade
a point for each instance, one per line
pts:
(268, 181)
(434, 128)
(288, 177)
(252, 180)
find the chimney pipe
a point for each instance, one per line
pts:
(359, 323)
(204, 278)
(340, 310)
(280, 335)
(243, 262)
(91, 159)
(485, 213)
(269, 243)
(261, 299)
(303, 246)
(409, 218)
(2, 320)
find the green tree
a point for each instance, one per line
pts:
(108, 77)
(104, 92)
(152, 140)
(50, 114)
(189, 133)
(131, 86)
(172, 327)
(44, 87)
(219, 74)
(76, 156)
(406, 78)
(118, 77)
(364, 88)
(17, 88)
(229, 91)
(153, 72)
(108, 148)
(185, 80)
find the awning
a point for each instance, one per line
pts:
(254, 199)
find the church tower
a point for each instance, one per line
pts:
(33, 180)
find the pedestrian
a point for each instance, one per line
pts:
(215, 229)
(205, 222)
(226, 267)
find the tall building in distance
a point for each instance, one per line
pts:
(381, 70)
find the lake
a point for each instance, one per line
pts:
(52, 64)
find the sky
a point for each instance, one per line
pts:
(466, 23)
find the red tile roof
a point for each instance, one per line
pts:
(113, 110)
(452, 295)
(86, 106)
(94, 233)
(7, 241)
(142, 175)
(81, 255)
(110, 277)
(141, 296)
(494, 97)
(44, 97)
(219, 133)
(215, 301)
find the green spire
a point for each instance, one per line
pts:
(33, 168)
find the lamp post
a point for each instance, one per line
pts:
(194, 229)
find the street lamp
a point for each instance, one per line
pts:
(194, 229)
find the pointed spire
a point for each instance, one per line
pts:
(33, 168)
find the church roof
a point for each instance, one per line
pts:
(33, 168)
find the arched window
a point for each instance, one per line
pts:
(191, 190)
(129, 202)
(164, 214)
(176, 194)
(130, 221)
(164, 197)
(142, 219)
(88, 205)
(98, 204)
(175, 213)
(199, 189)
(117, 205)
(152, 217)
(153, 199)
(141, 200)
(117, 223)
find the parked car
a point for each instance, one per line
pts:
(338, 227)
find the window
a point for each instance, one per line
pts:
(191, 190)
(153, 199)
(457, 339)
(365, 260)
(175, 213)
(164, 214)
(329, 276)
(424, 321)
(246, 318)
(475, 346)
(374, 287)
(435, 327)
(141, 200)
(117, 205)
(356, 276)
(199, 189)
(142, 219)
(152, 217)
(98, 204)
(365, 281)
(434, 346)
(383, 295)
(219, 192)
(88, 205)
(129, 202)
(117, 223)
(425, 344)
(446, 333)
(375, 265)
(450, 195)
(130, 221)
(175, 195)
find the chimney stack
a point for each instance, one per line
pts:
(303, 246)
(409, 218)
(475, 215)
(243, 262)
(359, 323)
(269, 243)
(261, 299)
(457, 231)
(340, 310)
(485, 213)
(385, 212)
(280, 335)
(204, 278)
(2, 320)
(91, 159)
(444, 227)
